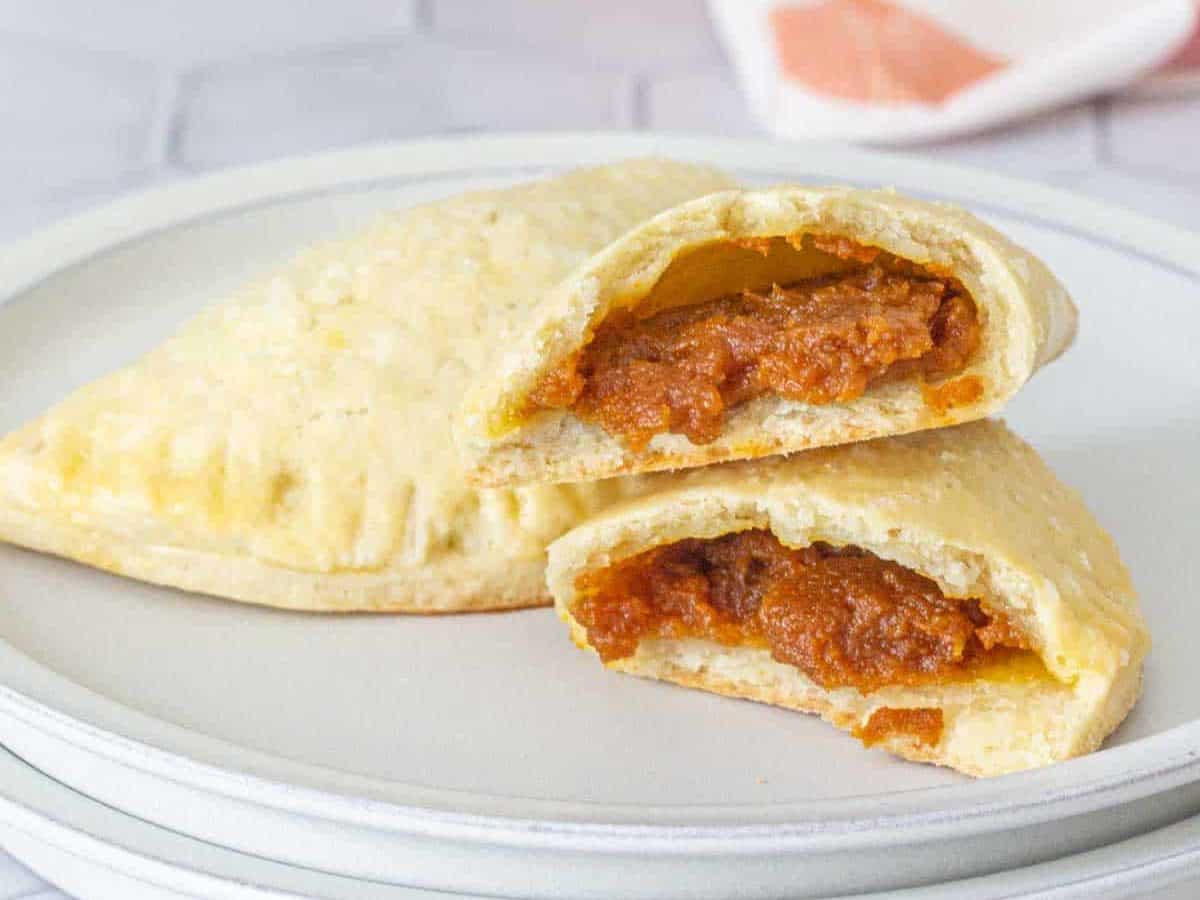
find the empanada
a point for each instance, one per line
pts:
(749, 323)
(292, 446)
(941, 594)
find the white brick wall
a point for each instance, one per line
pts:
(180, 33)
(1156, 138)
(261, 108)
(1057, 142)
(647, 35)
(155, 88)
(708, 102)
(71, 117)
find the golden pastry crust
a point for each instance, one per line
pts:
(291, 446)
(699, 249)
(972, 507)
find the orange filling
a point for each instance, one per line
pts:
(923, 723)
(821, 340)
(843, 616)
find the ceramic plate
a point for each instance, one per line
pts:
(459, 752)
(97, 853)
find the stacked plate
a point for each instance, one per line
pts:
(165, 744)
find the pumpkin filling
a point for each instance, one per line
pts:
(819, 340)
(842, 615)
(923, 724)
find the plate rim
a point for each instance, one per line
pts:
(1110, 776)
(50, 813)
(59, 816)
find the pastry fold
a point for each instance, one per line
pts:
(602, 383)
(291, 446)
(893, 546)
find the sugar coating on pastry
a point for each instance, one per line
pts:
(291, 445)
(963, 520)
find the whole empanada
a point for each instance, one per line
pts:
(291, 446)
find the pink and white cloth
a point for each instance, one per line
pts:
(894, 71)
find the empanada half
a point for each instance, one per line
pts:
(941, 594)
(755, 322)
(291, 446)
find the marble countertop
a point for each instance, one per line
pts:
(101, 99)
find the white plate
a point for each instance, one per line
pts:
(93, 851)
(363, 745)
(98, 853)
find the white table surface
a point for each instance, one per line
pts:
(102, 98)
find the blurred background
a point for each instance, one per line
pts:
(99, 98)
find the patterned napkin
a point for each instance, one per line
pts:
(892, 71)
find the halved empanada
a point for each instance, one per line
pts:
(292, 446)
(756, 322)
(940, 594)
